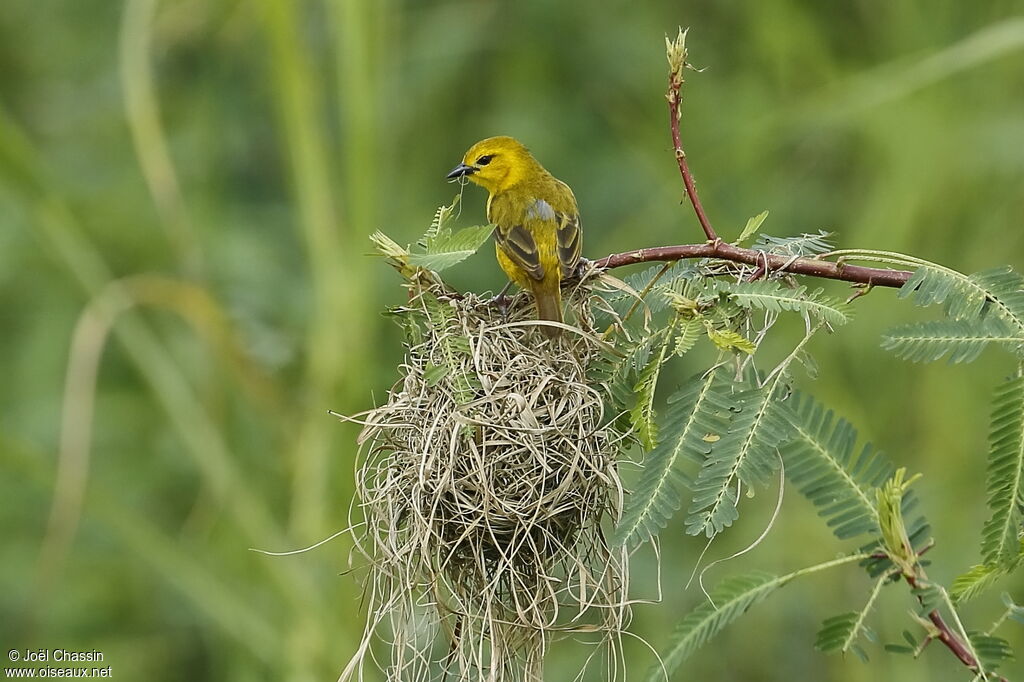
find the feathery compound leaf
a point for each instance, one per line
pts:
(772, 296)
(824, 464)
(1000, 541)
(642, 414)
(929, 597)
(963, 340)
(619, 371)
(1005, 289)
(998, 292)
(840, 633)
(651, 282)
(689, 333)
(978, 579)
(800, 245)
(992, 651)
(727, 339)
(439, 225)
(746, 452)
(729, 600)
(699, 409)
(446, 249)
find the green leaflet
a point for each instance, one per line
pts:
(978, 579)
(773, 296)
(993, 651)
(641, 416)
(698, 410)
(822, 460)
(746, 452)
(963, 340)
(620, 372)
(752, 226)
(998, 292)
(442, 216)
(727, 339)
(440, 247)
(999, 542)
(689, 333)
(653, 281)
(446, 248)
(729, 600)
(840, 633)
(799, 245)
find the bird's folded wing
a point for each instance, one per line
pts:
(570, 241)
(518, 244)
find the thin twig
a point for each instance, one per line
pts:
(677, 63)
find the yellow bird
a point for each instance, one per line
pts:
(537, 225)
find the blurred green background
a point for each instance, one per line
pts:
(186, 190)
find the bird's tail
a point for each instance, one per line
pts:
(549, 307)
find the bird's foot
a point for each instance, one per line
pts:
(501, 301)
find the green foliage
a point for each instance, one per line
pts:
(278, 166)
(650, 284)
(801, 245)
(642, 415)
(774, 296)
(1000, 542)
(992, 651)
(442, 247)
(619, 372)
(929, 597)
(729, 600)
(891, 501)
(453, 349)
(730, 340)
(840, 634)
(963, 340)
(688, 335)
(752, 226)
(826, 466)
(697, 414)
(978, 579)
(746, 452)
(997, 292)
(449, 248)
(1013, 611)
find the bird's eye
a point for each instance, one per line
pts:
(484, 160)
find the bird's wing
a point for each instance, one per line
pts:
(570, 240)
(518, 244)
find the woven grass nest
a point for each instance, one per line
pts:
(487, 481)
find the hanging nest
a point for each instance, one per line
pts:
(487, 482)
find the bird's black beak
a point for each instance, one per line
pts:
(460, 170)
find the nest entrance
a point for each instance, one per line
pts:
(488, 478)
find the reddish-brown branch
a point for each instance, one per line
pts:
(675, 82)
(946, 635)
(716, 248)
(812, 267)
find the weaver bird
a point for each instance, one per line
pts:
(537, 225)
